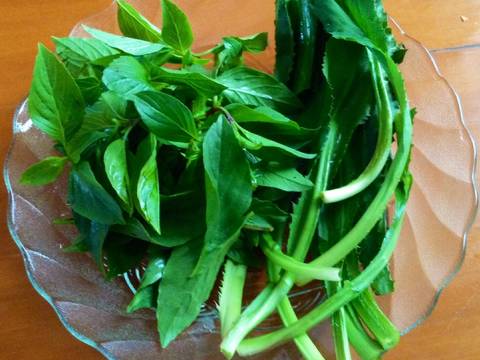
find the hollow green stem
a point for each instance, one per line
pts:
(298, 268)
(368, 310)
(364, 345)
(303, 232)
(303, 342)
(384, 143)
(339, 327)
(376, 321)
(231, 294)
(350, 291)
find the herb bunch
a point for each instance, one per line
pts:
(192, 162)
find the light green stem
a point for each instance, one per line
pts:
(350, 291)
(304, 343)
(382, 150)
(304, 232)
(298, 268)
(231, 294)
(365, 347)
(339, 327)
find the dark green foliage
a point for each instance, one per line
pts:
(179, 160)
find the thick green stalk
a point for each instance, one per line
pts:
(305, 345)
(350, 291)
(376, 321)
(296, 267)
(339, 327)
(365, 347)
(231, 294)
(384, 142)
(249, 321)
(303, 231)
(368, 310)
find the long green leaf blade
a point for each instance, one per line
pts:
(55, 103)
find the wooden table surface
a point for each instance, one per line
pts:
(29, 328)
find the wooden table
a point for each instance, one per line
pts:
(30, 329)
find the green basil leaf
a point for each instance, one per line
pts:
(258, 223)
(254, 43)
(286, 179)
(115, 159)
(153, 272)
(145, 298)
(126, 76)
(148, 191)
(147, 292)
(264, 115)
(55, 103)
(89, 199)
(176, 29)
(226, 168)
(180, 295)
(44, 172)
(98, 123)
(174, 231)
(80, 51)
(166, 117)
(92, 238)
(128, 45)
(134, 228)
(252, 87)
(91, 88)
(191, 272)
(256, 142)
(202, 84)
(135, 25)
(231, 54)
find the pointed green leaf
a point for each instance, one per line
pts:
(191, 271)
(264, 115)
(145, 298)
(202, 84)
(55, 103)
(88, 198)
(126, 76)
(148, 191)
(176, 29)
(115, 159)
(286, 179)
(128, 45)
(97, 124)
(166, 117)
(80, 51)
(252, 87)
(255, 142)
(254, 43)
(44, 172)
(135, 25)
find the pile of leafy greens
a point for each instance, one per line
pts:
(189, 162)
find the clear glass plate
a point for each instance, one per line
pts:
(433, 242)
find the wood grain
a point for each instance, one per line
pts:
(30, 328)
